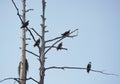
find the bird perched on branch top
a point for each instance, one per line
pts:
(89, 67)
(25, 24)
(59, 46)
(37, 42)
(66, 33)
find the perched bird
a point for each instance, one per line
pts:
(66, 33)
(89, 67)
(59, 46)
(19, 67)
(26, 68)
(37, 42)
(25, 24)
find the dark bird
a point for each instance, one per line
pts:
(26, 68)
(66, 33)
(59, 46)
(89, 67)
(19, 67)
(25, 24)
(37, 42)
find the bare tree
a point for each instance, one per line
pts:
(41, 44)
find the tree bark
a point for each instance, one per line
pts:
(23, 53)
(42, 55)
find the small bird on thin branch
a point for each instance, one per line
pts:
(89, 67)
(66, 33)
(37, 42)
(59, 46)
(25, 24)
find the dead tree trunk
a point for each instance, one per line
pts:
(42, 55)
(23, 48)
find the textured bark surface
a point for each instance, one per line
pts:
(23, 48)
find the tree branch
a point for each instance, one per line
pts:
(36, 33)
(29, 10)
(53, 45)
(17, 11)
(16, 79)
(53, 39)
(32, 53)
(55, 67)
(32, 79)
(61, 38)
(31, 34)
(104, 72)
(56, 47)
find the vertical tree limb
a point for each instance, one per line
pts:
(23, 48)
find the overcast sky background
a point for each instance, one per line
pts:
(98, 41)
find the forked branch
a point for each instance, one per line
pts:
(66, 36)
(58, 40)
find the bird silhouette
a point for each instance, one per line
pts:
(26, 68)
(19, 67)
(66, 33)
(37, 42)
(59, 46)
(89, 67)
(25, 24)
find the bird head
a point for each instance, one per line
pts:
(90, 63)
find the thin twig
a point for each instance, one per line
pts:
(32, 79)
(56, 47)
(53, 39)
(31, 33)
(32, 53)
(36, 32)
(16, 79)
(17, 11)
(29, 10)
(104, 72)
